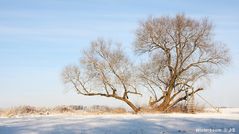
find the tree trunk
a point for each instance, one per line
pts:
(165, 104)
(129, 103)
(132, 106)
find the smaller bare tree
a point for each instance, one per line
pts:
(104, 71)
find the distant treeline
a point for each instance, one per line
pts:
(62, 109)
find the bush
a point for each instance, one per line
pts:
(98, 108)
(181, 108)
(77, 107)
(118, 110)
(1, 112)
(199, 108)
(21, 110)
(63, 109)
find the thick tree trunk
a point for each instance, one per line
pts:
(167, 99)
(165, 104)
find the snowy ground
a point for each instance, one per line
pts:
(225, 122)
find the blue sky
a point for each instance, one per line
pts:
(38, 38)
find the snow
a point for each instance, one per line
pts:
(225, 122)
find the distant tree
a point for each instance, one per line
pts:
(181, 51)
(104, 71)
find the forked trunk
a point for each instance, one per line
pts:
(167, 99)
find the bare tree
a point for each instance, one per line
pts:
(181, 51)
(104, 71)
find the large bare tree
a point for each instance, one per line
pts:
(104, 71)
(181, 52)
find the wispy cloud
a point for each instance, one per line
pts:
(50, 32)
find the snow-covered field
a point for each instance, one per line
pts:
(225, 122)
